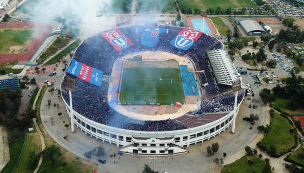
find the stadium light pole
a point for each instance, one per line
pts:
(71, 87)
(236, 86)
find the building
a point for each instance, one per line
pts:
(252, 27)
(10, 81)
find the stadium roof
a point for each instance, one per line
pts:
(223, 67)
(251, 26)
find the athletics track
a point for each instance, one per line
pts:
(32, 47)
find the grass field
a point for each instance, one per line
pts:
(220, 25)
(14, 37)
(33, 98)
(224, 4)
(295, 156)
(32, 144)
(242, 166)
(282, 103)
(279, 134)
(146, 82)
(62, 53)
(155, 5)
(15, 149)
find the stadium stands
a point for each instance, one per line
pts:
(91, 101)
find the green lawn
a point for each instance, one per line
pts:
(155, 5)
(14, 37)
(143, 82)
(220, 25)
(14, 149)
(279, 134)
(33, 98)
(282, 103)
(63, 53)
(32, 144)
(295, 156)
(242, 166)
(10, 70)
(249, 39)
(224, 4)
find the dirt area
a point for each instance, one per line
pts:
(269, 20)
(299, 21)
(15, 49)
(4, 148)
(276, 28)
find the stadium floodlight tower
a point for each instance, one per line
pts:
(236, 86)
(71, 87)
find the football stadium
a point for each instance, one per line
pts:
(152, 89)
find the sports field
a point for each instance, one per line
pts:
(15, 40)
(146, 82)
(223, 4)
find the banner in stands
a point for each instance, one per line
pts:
(150, 37)
(85, 72)
(96, 78)
(75, 67)
(117, 39)
(185, 39)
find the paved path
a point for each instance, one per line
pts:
(39, 132)
(227, 22)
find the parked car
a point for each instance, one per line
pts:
(102, 161)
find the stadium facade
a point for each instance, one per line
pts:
(91, 111)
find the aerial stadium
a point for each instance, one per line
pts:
(152, 90)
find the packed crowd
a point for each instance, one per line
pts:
(91, 101)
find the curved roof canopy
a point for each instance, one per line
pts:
(251, 26)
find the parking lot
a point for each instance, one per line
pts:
(286, 66)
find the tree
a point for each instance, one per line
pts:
(236, 32)
(267, 168)
(209, 150)
(215, 147)
(260, 128)
(228, 35)
(217, 161)
(43, 69)
(288, 21)
(125, 7)
(181, 24)
(33, 81)
(290, 39)
(265, 38)
(100, 151)
(231, 45)
(147, 169)
(239, 45)
(271, 63)
(88, 154)
(255, 44)
(254, 117)
(271, 112)
(178, 17)
(222, 161)
(5, 18)
(248, 151)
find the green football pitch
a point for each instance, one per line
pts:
(147, 82)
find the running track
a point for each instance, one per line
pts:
(32, 47)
